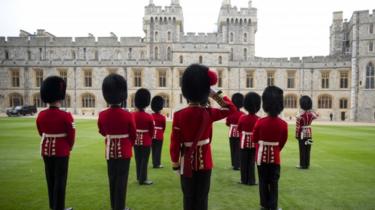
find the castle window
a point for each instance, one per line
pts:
(96, 55)
(37, 101)
(370, 76)
(130, 51)
(169, 54)
(325, 80)
(15, 99)
(162, 78)
(137, 78)
(249, 21)
(371, 28)
(38, 77)
(231, 54)
(370, 46)
(290, 101)
(270, 78)
(142, 55)
(200, 59)
(343, 103)
(169, 36)
(180, 73)
(245, 37)
(84, 53)
(250, 79)
(325, 102)
(64, 75)
(245, 54)
(291, 79)
(220, 60)
(40, 54)
(28, 55)
(156, 37)
(6, 55)
(88, 78)
(66, 102)
(73, 55)
(231, 38)
(181, 59)
(15, 74)
(118, 55)
(88, 100)
(344, 81)
(220, 78)
(156, 52)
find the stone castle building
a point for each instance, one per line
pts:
(341, 83)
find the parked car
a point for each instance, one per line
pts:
(21, 110)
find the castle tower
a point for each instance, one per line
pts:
(162, 27)
(336, 34)
(238, 28)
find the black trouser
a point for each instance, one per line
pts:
(56, 170)
(234, 143)
(248, 166)
(269, 175)
(142, 153)
(304, 152)
(118, 171)
(195, 190)
(156, 152)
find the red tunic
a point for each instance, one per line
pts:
(232, 122)
(270, 135)
(56, 127)
(245, 127)
(159, 128)
(144, 124)
(186, 125)
(118, 126)
(304, 120)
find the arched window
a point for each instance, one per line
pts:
(370, 46)
(156, 56)
(370, 76)
(181, 59)
(6, 55)
(200, 59)
(325, 102)
(15, 99)
(343, 103)
(73, 54)
(169, 36)
(371, 28)
(290, 101)
(156, 37)
(245, 54)
(231, 38)
(66, 102)
(245, 37)
(220, 60)
(28, 55)
(169, 54)
(88, 100)
(37, 101)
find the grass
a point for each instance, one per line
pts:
(341, 175)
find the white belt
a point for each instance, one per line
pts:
(199, 143)
(307, 126)
(48, 135)
(244, 134)
(260, 149)
(142, 131)
(109, 138)
(159, 128)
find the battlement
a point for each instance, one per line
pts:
(201, 37)
(305, 59)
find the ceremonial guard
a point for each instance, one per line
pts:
(117, 126)
(190, 147)
(245, 127)
(144, 123)
(303, 131)
(56, 127)
(157, 104)
(234, 135)
(270, 135)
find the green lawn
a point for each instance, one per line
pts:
(342, 174)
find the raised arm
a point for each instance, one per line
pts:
(227, 108)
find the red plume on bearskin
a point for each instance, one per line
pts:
(213, 77)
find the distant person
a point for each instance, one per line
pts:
(190, 147)
(234, 135)
(245, 127)
(118, 128)
(331, 116)
(157, 104)
(304, 132)
(270, 134)
(56, 127)
(144, 123)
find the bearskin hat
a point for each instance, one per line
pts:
(237, 100)
(196, 82)
(273, 100)
(114, 89)
(157, 103)
(305, 102)
(252, 102)
(53, 89)
(142, 98)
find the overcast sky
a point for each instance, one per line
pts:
(286, 28)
